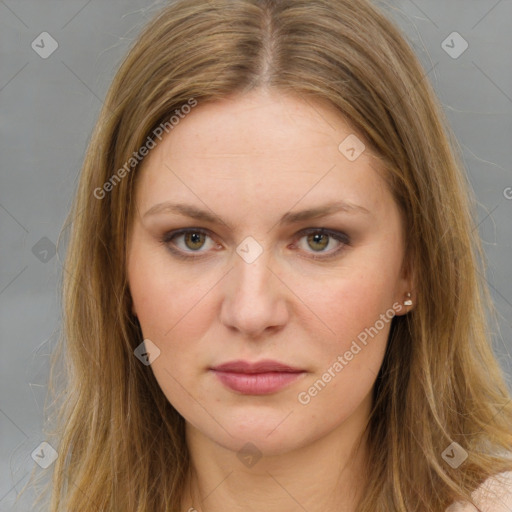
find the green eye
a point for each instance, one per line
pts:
(321, 239)
(318, 239)
(195, 239)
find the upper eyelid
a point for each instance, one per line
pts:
(302, 232)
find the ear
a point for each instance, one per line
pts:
(405, 303)
(405, 295)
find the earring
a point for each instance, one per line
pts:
(408, 301)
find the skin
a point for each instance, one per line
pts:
(249, 159)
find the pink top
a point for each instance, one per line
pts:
(494, 495)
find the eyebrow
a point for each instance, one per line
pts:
(192, 211)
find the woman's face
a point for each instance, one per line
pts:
(253, 279)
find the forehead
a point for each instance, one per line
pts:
(261, 150)
(260, 122)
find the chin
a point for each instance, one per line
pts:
(273, 432)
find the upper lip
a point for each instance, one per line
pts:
(264, 366)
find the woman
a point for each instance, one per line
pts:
(273, 293)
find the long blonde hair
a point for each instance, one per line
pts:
(121, 443)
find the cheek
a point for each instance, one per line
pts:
(172, 309)
(359, 312)
(345, 305)
(164, 297)
(356, 307)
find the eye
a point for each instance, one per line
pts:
(319, 239)
(194, 240)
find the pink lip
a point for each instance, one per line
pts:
(261, 378)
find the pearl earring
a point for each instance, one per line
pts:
(408, 301)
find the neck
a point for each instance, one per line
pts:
(325, 475)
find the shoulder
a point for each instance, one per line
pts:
(494, 495)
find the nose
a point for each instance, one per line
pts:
(254, 297)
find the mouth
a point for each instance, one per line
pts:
(259, 378)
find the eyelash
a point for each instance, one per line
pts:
(337, 235)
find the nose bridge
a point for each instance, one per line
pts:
(252, 301)
(251, 274)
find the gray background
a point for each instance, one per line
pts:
(49, 106)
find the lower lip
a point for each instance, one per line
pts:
(257, 383)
